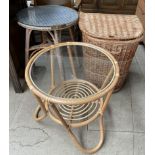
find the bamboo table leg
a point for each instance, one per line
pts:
(75, 51)
(58, 53)
(43, 37)
(52, 72)
(27, 45)
(71, 61)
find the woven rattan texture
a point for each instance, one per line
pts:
(110, 26)
(123, 53)
(92, 65)
(47, 16)
(119, 34)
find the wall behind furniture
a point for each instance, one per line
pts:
(16, 36)
(110, 6)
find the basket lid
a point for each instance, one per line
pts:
(111, 26)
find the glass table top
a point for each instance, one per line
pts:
(72, 70)
(47, 16)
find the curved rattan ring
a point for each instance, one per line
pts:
(47, 97)
(74, 109)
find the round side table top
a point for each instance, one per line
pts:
(48, 17)
(73, 86)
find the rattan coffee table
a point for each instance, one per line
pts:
(71, 100)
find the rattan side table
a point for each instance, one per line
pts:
(46, 18)
(71, 101)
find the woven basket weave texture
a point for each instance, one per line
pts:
(119, 34)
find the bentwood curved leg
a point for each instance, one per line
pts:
(73, 137)
(95, 148)
(40, 107)
(37, 112)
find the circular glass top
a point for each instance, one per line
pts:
(52, 16)
(72, 71)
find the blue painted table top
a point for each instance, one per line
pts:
(53, 16)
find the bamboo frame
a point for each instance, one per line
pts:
(92, 106)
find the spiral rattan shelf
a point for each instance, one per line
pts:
(119, 34)
(69, 98)
(77, 114)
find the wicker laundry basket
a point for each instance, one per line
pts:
(119, 34)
